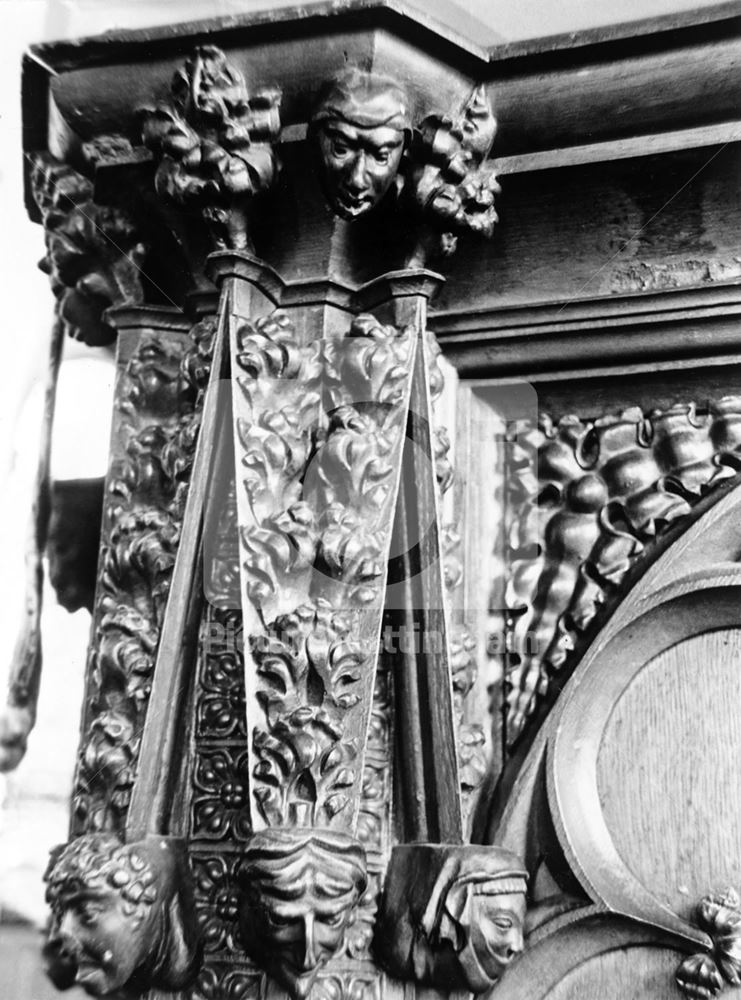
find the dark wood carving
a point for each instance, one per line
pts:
(282, 742)
(122, 916)
(213, 144)
(452, 917)
(585, 499)
(94, 253)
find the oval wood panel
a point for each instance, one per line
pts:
(668, 770)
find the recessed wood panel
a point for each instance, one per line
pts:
(668, 770)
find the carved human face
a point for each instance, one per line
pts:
(303, 934)
(107, 944)
(358, 164)
(495, 932)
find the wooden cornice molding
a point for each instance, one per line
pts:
(665, 75)
(556, 340)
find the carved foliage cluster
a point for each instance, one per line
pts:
(703, 976)
(157, 416)
(214, 142)
(449, 184)
(585, 499)
(94, 253)
(319, 451)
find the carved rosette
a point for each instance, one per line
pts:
(703, 976)
(584, 500)
(155, 428)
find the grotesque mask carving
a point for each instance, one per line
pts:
(122, 918)
(300, 890)
(452, 917)
(360, 127)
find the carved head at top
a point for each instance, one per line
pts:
(300, 889)
(121, 916)
(361, 126)
(452, 916)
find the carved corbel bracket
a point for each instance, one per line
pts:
(451, 916)
(122, 915)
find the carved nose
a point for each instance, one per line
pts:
(309, 960)
(357, 179)
(516, 944)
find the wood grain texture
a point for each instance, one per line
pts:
(668, 767)
(627, 974)
(641, 225)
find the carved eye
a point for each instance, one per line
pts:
(382, 156)
(503, 923)
(278, 920)
(340, 148)
(87, 912)
(334, 921)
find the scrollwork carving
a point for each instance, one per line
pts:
(451, 916)
(122, 915)
(585, 500)
(214, 143)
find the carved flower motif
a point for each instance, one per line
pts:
(221, 710)
(699, 979)
(217, 982)
(220, 807)
(217, 899)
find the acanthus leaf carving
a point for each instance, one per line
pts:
(157, 403)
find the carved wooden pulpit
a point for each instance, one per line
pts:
(414, 655)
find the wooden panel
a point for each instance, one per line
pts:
(668, 770)
(628, 974)
(640, 225)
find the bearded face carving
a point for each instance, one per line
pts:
(452, 916)
(300, 889)
(122, 917)
(360, 129)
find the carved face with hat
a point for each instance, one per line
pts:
(361, 126)
(452, 915)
